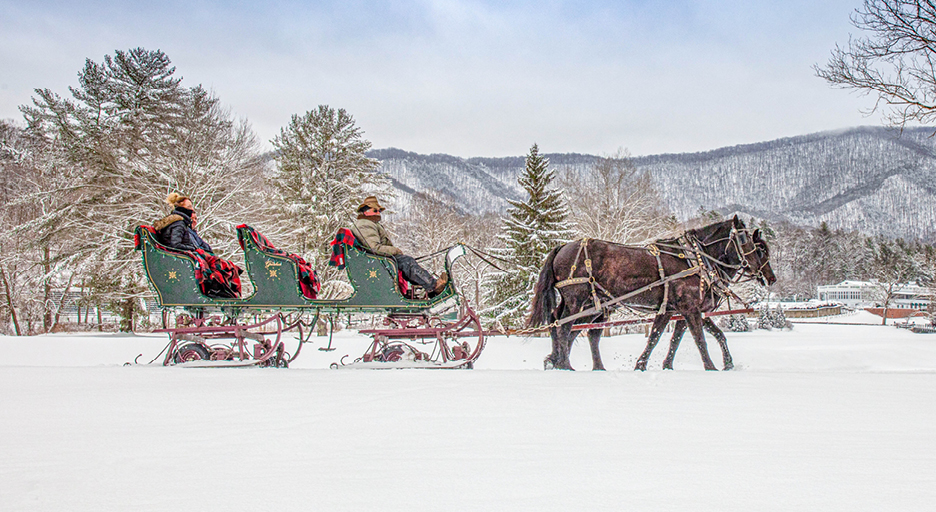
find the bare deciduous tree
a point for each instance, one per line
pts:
(432, 224)
(893, 266)
(895, 61)
(615, 201)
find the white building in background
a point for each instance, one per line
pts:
(866, 294)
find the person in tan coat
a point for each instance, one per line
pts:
(374, 236)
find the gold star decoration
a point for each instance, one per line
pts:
(273, 273)
(372, 275)
(172, 275)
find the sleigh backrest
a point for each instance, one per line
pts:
(170, 273)
(274, 275)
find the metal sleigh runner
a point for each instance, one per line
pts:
(207, 332)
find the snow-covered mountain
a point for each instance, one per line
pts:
(871, 179)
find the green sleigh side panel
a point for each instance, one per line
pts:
(276, 284)
(275, 278)
(172, 276)
(373, 278)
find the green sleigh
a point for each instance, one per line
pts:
(276, 291)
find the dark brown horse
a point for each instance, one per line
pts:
(707, 324)
(586, 279)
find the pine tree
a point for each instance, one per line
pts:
(322, 175)
(531, 229)
(127, 135)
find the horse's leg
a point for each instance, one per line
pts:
(678, 332)
(713, 329)
(552, 360)
(562, 338)
(566, 337)
(694, 320)
(659, 323)
(594, 336)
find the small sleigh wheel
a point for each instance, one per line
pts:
(191, 352)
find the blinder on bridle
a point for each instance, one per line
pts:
(741, 238)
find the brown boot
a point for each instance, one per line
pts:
(440, 283)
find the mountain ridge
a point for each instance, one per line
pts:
(871, 179)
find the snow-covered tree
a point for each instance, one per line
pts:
(531, 229)
(892, 266)
(131, 133)
(432, 223)
(892, 61)
(322, 175)
(32, 266)
(734, 323)
(615, 201)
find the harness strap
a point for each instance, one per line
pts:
(591, 279)
(655, 251)
(595, 286)
(593, 311)
(582, 245)
(568, 282)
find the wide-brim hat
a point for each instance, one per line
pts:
(371, 202)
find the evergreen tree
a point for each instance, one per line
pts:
(531, 229)
(322, 175)
(127, 135)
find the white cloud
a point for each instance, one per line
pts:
(472, 78)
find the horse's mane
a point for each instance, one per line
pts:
(672, 236)
(705, 232)
(702, 233)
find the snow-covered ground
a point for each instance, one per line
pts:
(823, 417)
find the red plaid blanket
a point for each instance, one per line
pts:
(217, 277)
(343, 238)
(308, 278)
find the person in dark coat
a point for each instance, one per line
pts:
(177, 230)
(375, 237)
(219, 278)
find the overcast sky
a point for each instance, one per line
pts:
(471, 78)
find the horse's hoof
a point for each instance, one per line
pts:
(598, 369)
(711, 369)
(667, 367)
(729, 366)
(640, 367)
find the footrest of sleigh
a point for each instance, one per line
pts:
(403, 365)
(402, 355)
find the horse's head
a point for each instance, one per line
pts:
(736, 250)
(763, 270)
(752, 252)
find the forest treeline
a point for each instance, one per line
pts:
(82, 170)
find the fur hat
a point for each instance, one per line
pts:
(174, 199)
(370, 202)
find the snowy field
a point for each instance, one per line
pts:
(823, 417)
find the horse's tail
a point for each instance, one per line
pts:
(544, 298)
